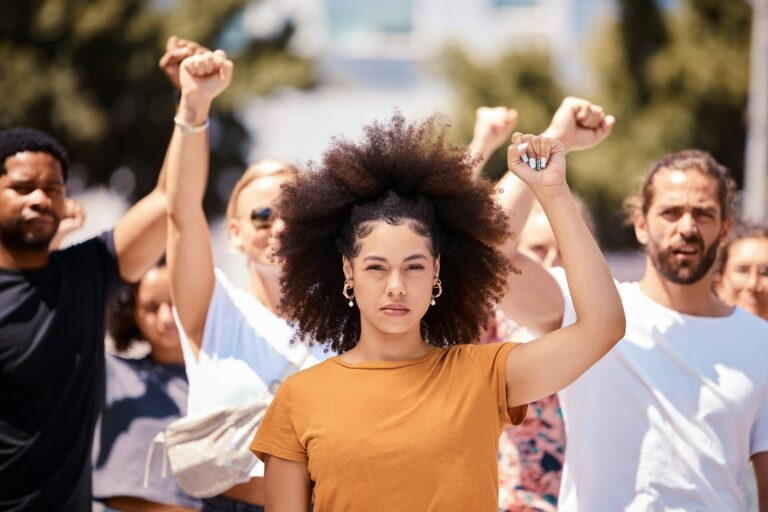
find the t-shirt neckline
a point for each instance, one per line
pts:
(385, 365)
(670, 311)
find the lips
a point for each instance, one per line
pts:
(40, 219)
(395, 309)
(687, 250)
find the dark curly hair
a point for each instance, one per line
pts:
(400, 173)
(121, 315)
(121, 318)
(15, 140)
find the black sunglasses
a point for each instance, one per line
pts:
(261, 217)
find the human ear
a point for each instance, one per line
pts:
(437, 266)
(641, 227)
(235, 243)
(726, 230)
(346, 267)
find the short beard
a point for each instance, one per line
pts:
(13, 237)
(664, 262)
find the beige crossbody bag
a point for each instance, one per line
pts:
(210, 453)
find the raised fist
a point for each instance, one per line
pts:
(538, 161)
(176, 50)
(204, 76)
(579, 124)
(72, 220)
(493, 126)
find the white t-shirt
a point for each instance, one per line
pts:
(245, 350)
(670, 417)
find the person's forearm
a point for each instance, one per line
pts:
(591, 285)
(187, 163)
(516, 199)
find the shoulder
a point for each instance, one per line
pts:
(102, 244)
(479, 354)
(749, 326)
(123, 365)
(317, 375)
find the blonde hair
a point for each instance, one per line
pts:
(261, 169)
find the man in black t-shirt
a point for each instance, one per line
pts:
(52, 309)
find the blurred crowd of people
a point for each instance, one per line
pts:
(648, 395)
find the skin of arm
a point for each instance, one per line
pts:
(578, 125)
(548, 364)
(287, 485)
(760, 463)
(140, 235)
(493, 127)
(190, 260)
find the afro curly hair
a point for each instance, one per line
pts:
(400, 173)
(16, 140)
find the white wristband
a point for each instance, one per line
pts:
(188, 128)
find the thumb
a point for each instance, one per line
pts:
(511, 117)
(172, 43)
(515, 161)
(605, 128)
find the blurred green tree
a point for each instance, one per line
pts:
(87, 72)
(674, 78)
(519, 80)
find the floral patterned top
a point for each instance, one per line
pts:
(530, 455)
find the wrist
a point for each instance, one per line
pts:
(552, 193)
(480, 149)
(193, 110)
(552, 133)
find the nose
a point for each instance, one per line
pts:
(755, 281)
(165, 320)
(39, 200)
(395, 286)
(277, 226)
(687, 225)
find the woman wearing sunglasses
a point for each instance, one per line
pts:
(235, 347)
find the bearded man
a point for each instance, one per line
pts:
(670, 418)
(52, 311)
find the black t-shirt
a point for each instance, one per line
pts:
(52, 375)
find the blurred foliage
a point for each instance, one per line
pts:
(674, 79)
(86, 71)
(520, 80)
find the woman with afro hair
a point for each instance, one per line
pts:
(391, 257)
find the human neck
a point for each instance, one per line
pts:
(265, 283)
(23, 259)
(167, 355)
(375, 345)
(695, 299)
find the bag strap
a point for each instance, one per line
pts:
(158, 439)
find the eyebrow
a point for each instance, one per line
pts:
(709, 209)
(409, 258)
(27, 181)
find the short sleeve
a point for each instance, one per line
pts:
(569, 313)
(97, 257)
(277, 435)
(758, 437)
(492, 361)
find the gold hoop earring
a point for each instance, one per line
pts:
(347, 295)
(439, 285)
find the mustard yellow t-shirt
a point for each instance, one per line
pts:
(417, 435)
